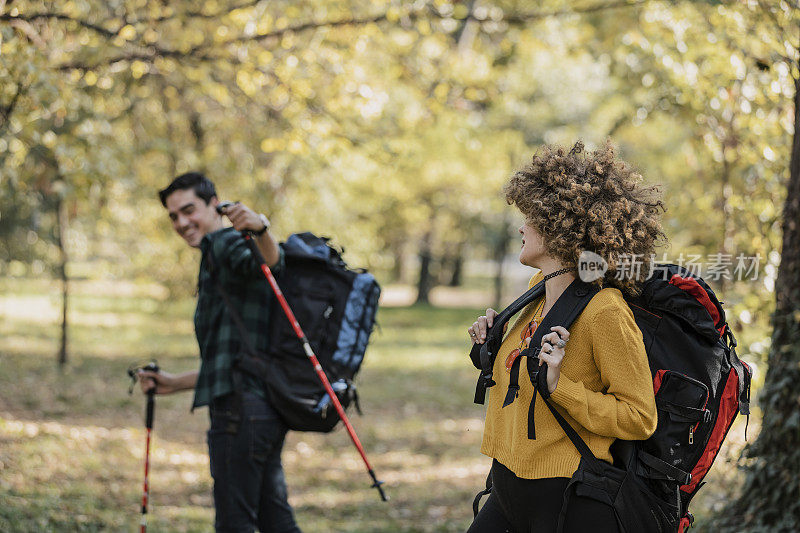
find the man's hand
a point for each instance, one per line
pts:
(243, 218)
(166, 383)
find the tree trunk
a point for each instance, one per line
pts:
(726, 210)
(425, 283)
(60, 234)
(770, 498)
(398, 272)
(196, 126)
(457, 263)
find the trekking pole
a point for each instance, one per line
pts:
(151, 403)
(311, 356)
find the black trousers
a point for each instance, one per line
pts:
(249, 486)
(518, 505)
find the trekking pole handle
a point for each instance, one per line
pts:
(222, 206)
(151, 404)
(151, 397)
(133, 373)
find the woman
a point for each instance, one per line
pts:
(598, 375)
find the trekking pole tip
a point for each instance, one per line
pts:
(377, 484)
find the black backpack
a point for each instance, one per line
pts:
(335, 307)
(699, 382)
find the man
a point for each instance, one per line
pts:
(246, 435)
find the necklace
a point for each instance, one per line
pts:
(525, 336)
(556, 273)
(527, 333)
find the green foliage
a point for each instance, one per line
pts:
(306, 109)
(385, 125)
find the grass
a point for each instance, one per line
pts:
(72, 443)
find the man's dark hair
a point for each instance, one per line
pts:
(202, 186)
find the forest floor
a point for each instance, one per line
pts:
(72, 442)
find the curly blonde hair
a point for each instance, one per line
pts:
(590, 201)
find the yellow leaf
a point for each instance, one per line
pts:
(128, 33)
(264, 57)
(441, 91)
(296, 146)
(460, 11)
(138, 69)
(150, 36)
(272, 145)
(49, 139)
(424, 27)
(393, 14)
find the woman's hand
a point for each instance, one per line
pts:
(552, 353)
(477, 331)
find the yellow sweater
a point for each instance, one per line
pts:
(605, 391)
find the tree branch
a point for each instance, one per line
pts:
(8, 109)
(147, 56)
(61, 16)
(600, 6)
(353, 21)
(195, 14)
(309, 26)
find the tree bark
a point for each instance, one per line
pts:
(60, 234)
(425, 283)
(457, 271)
(770, 498)
(398, 272)
(726, 210)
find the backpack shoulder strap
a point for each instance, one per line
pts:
(495, 332)
(576, 439)
(564, 312)
(235, 316)
(483, 355)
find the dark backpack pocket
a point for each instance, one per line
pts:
(313, 310)
(681, 402)
(636, 508)
(296, 392)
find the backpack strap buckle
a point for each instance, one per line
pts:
(484, 382)
(664, 468)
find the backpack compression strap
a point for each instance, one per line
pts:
(483, 355)
(564, 312)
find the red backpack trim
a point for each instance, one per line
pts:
(691, 287)
(657, 380)
(728, 408)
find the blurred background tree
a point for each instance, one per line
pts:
(392, 127)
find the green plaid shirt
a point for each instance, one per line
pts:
(240, 276)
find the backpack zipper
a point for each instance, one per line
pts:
(706, 414)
